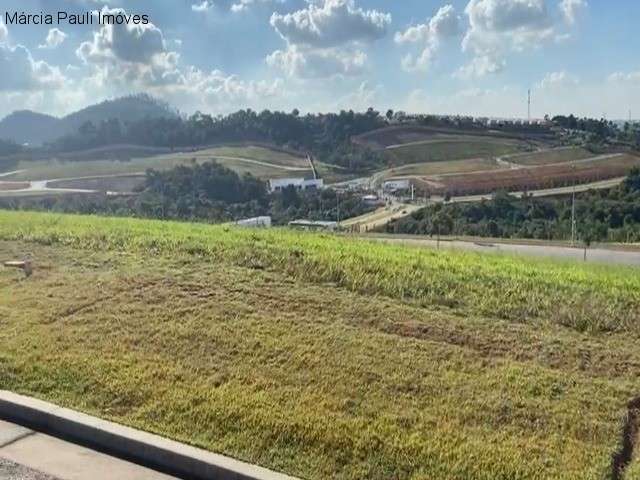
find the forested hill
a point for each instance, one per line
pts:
(132, 108)
(35, 129)
(328, 136)
(29, 127)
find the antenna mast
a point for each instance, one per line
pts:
(529, 105)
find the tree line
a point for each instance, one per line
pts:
(325, 135)
(601, 215)
(8, 149)
(206, 192)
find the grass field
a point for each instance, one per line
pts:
(260, 161)
(447, 150)
(545, 157)
(442, 168)
(321, 356)
(407, 134)
(102, 184)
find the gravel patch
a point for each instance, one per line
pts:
(13, 471)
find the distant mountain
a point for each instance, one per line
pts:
(35, 128)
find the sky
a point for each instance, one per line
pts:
(467, 57)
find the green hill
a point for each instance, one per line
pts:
(36, 128)
(323, 356)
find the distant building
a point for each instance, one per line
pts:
(279, 184)
(371, 199)
(256, 222)
(395, 185)
(313, 225)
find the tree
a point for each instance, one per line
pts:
(290, 197)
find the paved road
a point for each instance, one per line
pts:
(595, 255)
(263, 163)
(547, 192)
(381, 216)
(384, 215)
(29, 455)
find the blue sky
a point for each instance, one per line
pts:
(475, 57)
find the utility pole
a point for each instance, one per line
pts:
(573, 209)
(338, 206)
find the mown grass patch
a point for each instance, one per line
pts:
(321, 356)
(442, 151)
(595, 298)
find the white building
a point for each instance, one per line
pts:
(395, 185)
(371, 200)
(279, 184)
(256, 222)
(313, 225)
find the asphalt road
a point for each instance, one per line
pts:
(594, 255)
(547, 192)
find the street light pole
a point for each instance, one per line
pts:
(573, 209)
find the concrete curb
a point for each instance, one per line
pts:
(127, 443)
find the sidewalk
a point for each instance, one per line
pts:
(29, 455)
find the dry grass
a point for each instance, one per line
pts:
(545, 157)
(266, 164)
(442, 168)
(448, 150)
(320, 356)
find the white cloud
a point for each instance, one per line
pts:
(232, 5)
(556, 80)
(363, 97)
(202, 6)
(222, 87)
(326, 39)
(499, 26)
(443, 25)
(331, 23)
(217, 91)
(20, 72)
(481, 65)
(55, 38)
(318, 63)
(571, 9)
(4, 33)
(625, 77)
(124, 58)
(136, 54)
(128, 43)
